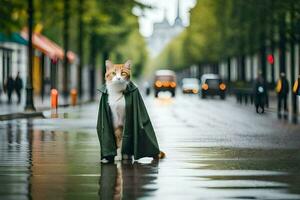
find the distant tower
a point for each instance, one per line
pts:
(178, 21)
(164, 32)
(165, 16)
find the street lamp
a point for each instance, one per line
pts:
(29, 106)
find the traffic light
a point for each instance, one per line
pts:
(270, 59)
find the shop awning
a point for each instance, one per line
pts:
(14, 37)
(48, 47)
(5, 48)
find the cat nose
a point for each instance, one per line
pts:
(119, 78)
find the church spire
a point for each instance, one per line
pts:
(165, 14)
(165, 19)
(178, 10)
(178, 21)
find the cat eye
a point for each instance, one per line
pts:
(124, 74)
(113, 73)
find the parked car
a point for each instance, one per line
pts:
(190, 85)
(164, 80)
(212, 84)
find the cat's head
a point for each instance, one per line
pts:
(117, 73)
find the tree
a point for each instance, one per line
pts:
(13, 15)
(109, 26)
(135, 49)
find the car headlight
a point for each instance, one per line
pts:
(173, 84)
(222, 86)
(205, 86)
(158, 84)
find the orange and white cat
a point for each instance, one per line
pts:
(117, 78)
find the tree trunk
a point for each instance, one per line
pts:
(80, 48)
(53, 75)
(282, 42)
(273, 65)
(66, 47)
(252, 67)
(243, 66)
(271, 36)
(200, 70)
(216, 68)
(42, 76)
(93, 54)
(293, 74)
(263, 60)
(105, 56)
(228, 70)
(29, 88)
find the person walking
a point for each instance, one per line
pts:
(260, 94)
(282, 89)
(10, 85)
(18, 87)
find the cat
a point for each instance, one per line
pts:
(117, 77)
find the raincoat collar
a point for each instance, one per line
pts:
(130, 87)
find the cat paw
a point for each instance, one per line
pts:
(104, 160)
(118, 158)
(127, 157)
(161, 155)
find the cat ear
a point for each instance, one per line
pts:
(128, 64)
(108, 64)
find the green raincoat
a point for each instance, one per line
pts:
(139, 137)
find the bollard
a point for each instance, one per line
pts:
(73, 95)
(54, 99)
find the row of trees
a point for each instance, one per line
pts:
(95, 29)
(220, 30)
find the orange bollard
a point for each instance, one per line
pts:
(54, 98)
(73, 95)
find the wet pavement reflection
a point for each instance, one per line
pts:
(59, 158)
(128, 180)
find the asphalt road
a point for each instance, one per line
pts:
(215, 150)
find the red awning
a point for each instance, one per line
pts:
(48, 47)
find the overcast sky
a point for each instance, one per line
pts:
(156, 14)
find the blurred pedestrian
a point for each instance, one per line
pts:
(10, 86)
(296, 88)
(260, 94)
(18, 87)
(282, 89)
(146, 86)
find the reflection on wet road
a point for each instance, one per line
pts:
(215, 150)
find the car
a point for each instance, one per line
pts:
(190, 85)
(212, 84)
(164, 80)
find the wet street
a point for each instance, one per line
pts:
(215, 150)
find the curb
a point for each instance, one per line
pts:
(21, 115)
(37, 114)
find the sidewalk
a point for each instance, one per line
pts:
(40, 105)
(14, 110)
